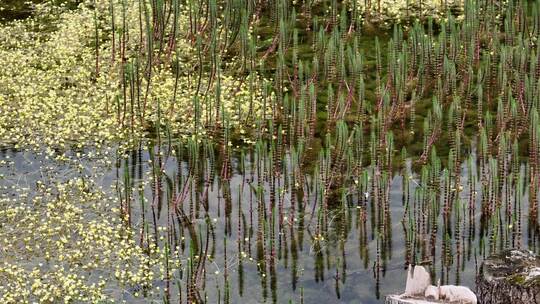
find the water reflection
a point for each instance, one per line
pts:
(256, 236)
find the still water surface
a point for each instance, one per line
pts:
(341, 269)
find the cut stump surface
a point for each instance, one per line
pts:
(512, 276)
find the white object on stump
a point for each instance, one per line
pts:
(417, 281)
(432, 292)
(458, 294)
(418, 290)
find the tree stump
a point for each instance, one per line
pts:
(395, 299)
(512, 276)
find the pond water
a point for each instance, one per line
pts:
(350, 265)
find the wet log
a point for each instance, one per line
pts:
(511, 276)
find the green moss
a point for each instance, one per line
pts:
(517, 279)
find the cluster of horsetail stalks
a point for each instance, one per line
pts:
(450, 107)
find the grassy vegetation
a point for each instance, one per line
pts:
(257, 134)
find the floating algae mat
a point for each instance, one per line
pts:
(263, 151)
